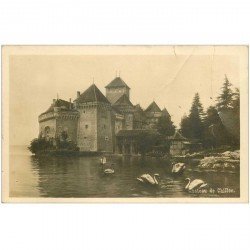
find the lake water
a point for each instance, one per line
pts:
(79, 177)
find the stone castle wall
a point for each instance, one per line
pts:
(47, 128)
(104, 128)
(129, 117)
(87, 127)
(52, 125)
(67, 123)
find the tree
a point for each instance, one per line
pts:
(39, 144)
(196, 118)
(146, 141)
(236, 102)
(165, 126)
(185, 126)
(214, 131)
(224, 100)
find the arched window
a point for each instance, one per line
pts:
(47, 131)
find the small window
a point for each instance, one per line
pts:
(86, 126)
(106, 138)
(85, 137)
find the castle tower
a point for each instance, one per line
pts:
(115, 89)
(95, 122)
(152, 112)
(126, 108)
(60, 118)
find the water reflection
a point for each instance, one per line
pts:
(33, 176)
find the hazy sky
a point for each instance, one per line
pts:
(168, 79)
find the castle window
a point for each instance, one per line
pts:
(86, 126)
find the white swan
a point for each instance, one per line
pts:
(109, 171)
(147, 178)
(197, 183)
(178, 168)
(103, 160)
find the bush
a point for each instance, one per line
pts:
(40, 144)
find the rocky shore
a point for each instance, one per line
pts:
(213, 160)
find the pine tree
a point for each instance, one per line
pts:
(196, 118)
(224, 100)
(214, 131)
(236, 111)
(236, 101)
(185, 126)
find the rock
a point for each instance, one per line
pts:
(232, 154)
(223, 161)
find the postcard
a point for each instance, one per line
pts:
(125, 124)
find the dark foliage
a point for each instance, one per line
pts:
(192, 125)
(210, 128)
(165, 126)
(40, 144)
(225, 99)
(146, 141)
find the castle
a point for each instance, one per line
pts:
(97, 123)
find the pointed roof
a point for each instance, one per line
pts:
(165, 112)
(178, 136)
(153, 107)
(92, 94)
(138, 107)
(123, 100)
(116, 83)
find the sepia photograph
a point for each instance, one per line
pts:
(125, 123)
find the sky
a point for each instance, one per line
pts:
(169, 80)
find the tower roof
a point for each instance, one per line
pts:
(117, 83)
(92, 94)
(123, 100)
(178, 136)
(153, 107)
(59, 103)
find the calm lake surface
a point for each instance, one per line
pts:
(79, 177)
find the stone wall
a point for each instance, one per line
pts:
(68, 123)
(128, 121)
(47, 128)
(104, 128)
(152, 119)
(87, 127)
(59, 121)
(119, 125)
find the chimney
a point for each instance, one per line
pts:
(78, 94)
(70, 105)
(54, 101)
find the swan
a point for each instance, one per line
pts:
(178, 168)
(109, 171)
(103, 160)
(197, 183)
(147, 178)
